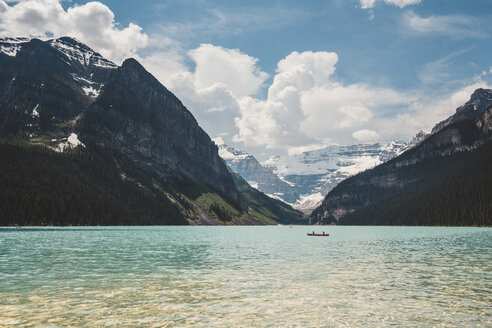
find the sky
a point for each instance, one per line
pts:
(274, 77)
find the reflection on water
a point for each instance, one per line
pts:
(245, 276)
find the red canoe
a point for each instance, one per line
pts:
(319, 234)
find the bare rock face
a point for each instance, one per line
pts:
(480, 101)
(147, 120)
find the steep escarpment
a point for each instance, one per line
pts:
(444, 180)
(145, 119)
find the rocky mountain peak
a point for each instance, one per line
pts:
(80, 53)
(479, 102)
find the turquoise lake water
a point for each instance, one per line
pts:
(273, 276)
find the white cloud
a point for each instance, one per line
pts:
(213, 90)
(276, 121)
(452, 25)
(228, 66)
(366, 136)
(427, 112)
(92, 23)
(402, 3)
(355, 114)
(218, 141)
(367, 4)
(305, 106)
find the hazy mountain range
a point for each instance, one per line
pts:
(304, 179)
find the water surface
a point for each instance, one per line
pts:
(245, 276)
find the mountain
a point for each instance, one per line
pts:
(106, 144)
(303, 180)
(445, 180)
(256, 175)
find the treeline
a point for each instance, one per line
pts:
(80, 187)
(454, 190)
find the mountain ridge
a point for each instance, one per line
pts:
(407, 183)
(303, 180)
(65, 100)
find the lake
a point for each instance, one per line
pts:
(269, 276)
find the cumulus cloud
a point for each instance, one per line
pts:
(217, 65)
(366, 136)
(218, 141)
(276, 121)
(306, 107)
(452, 25)
(93, 23)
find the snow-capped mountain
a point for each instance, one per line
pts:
(48, 66)
(304, 179)
(257, 176)
(87, 68)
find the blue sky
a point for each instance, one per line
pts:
(382, 50)
(277, 76)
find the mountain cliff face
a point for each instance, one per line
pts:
(444, 180)
(60, 101)
(141, 116)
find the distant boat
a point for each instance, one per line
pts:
(323, 234)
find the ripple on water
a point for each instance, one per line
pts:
(245, 276)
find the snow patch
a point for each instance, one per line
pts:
(35, 112)
(14, 40)
(359, 164)
(277, 198)
(10, 49)
(78, 52)
(11, 46)
(308, 202)
(90, 88)
(73, 139)
(71, 142)
(91, 92)
(322, 161)
(253, 184)
(232, 154)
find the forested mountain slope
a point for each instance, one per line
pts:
(445, 180)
